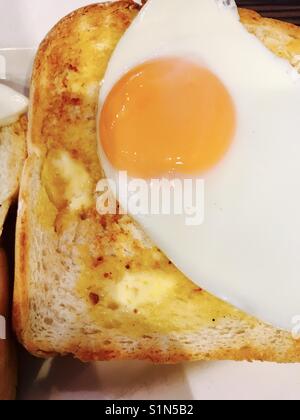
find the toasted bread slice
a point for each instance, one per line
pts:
(93, 286)
(12, 157)
(8, 360)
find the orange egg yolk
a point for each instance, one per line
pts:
(167, 116)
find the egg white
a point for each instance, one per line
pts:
(247, 250)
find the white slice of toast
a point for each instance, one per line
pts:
(93, 286)
(12, 158)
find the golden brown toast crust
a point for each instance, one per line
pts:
(68, 69)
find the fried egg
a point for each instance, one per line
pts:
(190, 94)
(12, 105)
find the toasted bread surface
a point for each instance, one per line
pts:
(96, 287)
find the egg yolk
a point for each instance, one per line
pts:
(167, 116)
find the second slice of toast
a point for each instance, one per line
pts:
(12, 157)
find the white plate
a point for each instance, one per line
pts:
(69, 379)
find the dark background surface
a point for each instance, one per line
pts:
(278, 9)
(283, 10)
